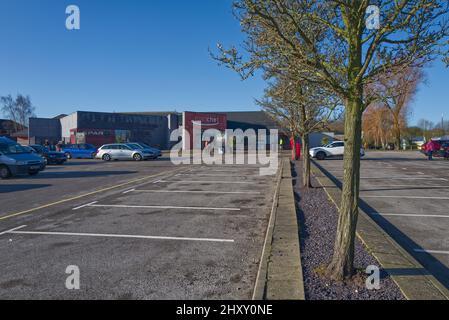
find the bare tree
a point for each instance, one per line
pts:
(302, 109)
(377, 124)
(426, 127)
(19, 110)
(395, 90)
(329, 40)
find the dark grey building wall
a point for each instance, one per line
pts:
(151, 129)
(41, 129)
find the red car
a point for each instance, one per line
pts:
(439, 148)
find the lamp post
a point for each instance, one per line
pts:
(442, 125)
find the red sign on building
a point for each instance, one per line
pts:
(207, 120)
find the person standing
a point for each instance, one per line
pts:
(432, 147)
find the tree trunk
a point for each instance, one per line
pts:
(397, 132)
(306, 181)
(342, 264)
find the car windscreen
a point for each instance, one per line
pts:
(134, 145)
(40, 148)
(12, 149)
(144, 145)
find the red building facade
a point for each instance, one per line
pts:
(207, 120)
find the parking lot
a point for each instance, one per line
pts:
(135, 230)
(408, 196)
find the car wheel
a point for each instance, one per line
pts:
(93, 155)
(4, 172)
(68, 155)
(137, 157)
(106, 157)
(321, 155)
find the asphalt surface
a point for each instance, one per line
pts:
(408, 196)
(135, 230)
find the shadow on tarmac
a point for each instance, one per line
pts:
(79, 174)
(21, 187)
(434, 266)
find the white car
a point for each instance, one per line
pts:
(121, 151)
(334, 149)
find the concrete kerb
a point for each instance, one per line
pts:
(280, 276)
(417, 285)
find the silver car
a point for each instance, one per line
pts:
(120, 151)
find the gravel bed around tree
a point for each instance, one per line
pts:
(318, 217)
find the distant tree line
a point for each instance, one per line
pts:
(18, 109)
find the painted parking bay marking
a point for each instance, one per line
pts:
(84, 205)
(431, 251)
(154, 207)
(196, 191)
(416, 215)
(408, 197)
(84, 195)
(105, 235)
(206, 181)
(400, 178)
(11, 230)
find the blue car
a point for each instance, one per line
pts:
(18, 160)
(79, 151)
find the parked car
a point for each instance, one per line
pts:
(18, 160)
(79, 151)
(440, 148)
(153, 149)
(52, 157)
(334, 149)
(121, 151)
(140, 146)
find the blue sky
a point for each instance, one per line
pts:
(139, 55)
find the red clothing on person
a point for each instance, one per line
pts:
(296, 145)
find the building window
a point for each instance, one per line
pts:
(122, 136)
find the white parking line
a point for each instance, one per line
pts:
(403, 178)
(431, 251)
(118, 236)
(146, 183)
(205, 181)
(128, 191)
(159, 207)
(407, 197)
(421, 186)
(11, 230)
(216, 175)
(197, 191)
(85, 205)
(412, 215)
